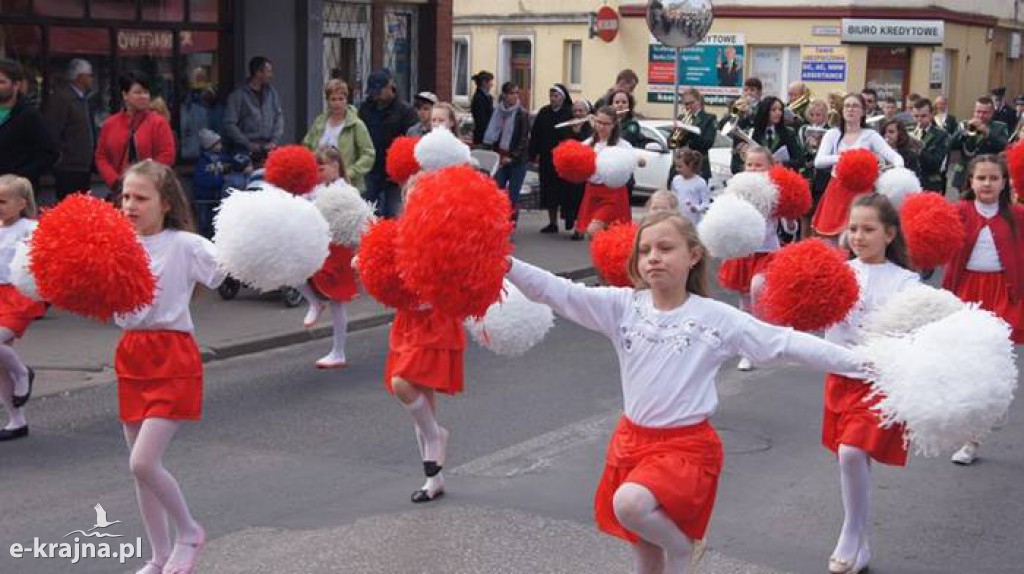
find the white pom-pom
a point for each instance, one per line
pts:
(346, 212)
(270, 238)
(757, 188)
(912, 309)
(512, 326)
(615, 165)
(440, 149)
(949, 382)
(21, 275)
(897, 184)
(732, 227)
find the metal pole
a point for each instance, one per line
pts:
(675, 87)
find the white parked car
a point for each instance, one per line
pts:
(654, 149)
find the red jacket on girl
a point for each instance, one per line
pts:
(1008, 246)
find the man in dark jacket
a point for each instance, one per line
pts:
(482, 106)
(386, 117)
(69, 117)
(981, 135)
(26, 148)
(1004, 112)
(253, 118)
(934, 147)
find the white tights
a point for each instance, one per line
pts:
(161, 502)
(855, 484)
(15, 416)
(662, 548)
(339, 320)
(13, 379)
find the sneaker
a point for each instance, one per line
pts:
(966, 455)
(745, 364)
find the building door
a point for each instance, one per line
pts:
(400, 48)
(889, 71)
(346, 44)
(520, 69)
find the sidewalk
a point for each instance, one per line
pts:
(69, 352)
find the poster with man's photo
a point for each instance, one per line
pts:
(715, 66)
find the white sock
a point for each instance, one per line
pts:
(15, 417)
(638, 510)
(855, 483)
(339, 320)
(11, 362)
(314, 302)
(427, 424)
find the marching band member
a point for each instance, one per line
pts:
(943, 118)
(977, 136)
(934, 147)
(770, 132)
(896, 136)
(796, 108)
(810, 135)
(693, 103)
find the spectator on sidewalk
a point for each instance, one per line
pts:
(424, 103)
(543, 139)
(340, 127)
(69, 117)
(133, 134)
(199, 110)
(386, 117)
(253, 119)
(208, 180)
(482, 106)
(26, 148)
(625, 81)
(508, 133)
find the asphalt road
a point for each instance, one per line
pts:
(295, 470)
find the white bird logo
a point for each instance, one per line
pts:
(101, 518)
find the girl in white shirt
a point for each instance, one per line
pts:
(603, 205)
(850, 428)
(17, 204)
(664, 459)
(691, 189)
(159, 370)
(832, 214)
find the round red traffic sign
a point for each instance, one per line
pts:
(606, 25)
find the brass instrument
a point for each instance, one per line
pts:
(732, 130)
(799, 107)
(916, 139)
(835, 109)
(740, 107)
(812, 137)
(970, 128)
(682, 130)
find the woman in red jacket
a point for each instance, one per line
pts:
(134, 134)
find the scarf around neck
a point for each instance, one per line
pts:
(501, 126)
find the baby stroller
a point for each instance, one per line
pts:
(230, 288)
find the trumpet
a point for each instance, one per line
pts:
(584, 120)
(970, 127)
(682, 130)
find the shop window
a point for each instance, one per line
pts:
(346, 45)
(201, 105)
(574, 65)
(113, 9)
(776, 67)
(60, 8)
(460, 67)
(888, 71)
(150, 52)
(14, 6)
(24, 44)
(163, 10)
(206, 11)
(92, 44)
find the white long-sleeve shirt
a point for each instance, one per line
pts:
(694, 196)
(668, 360)
(10, 236)
(832, 146)
(984, 257)
(179, 260)
(877, 282)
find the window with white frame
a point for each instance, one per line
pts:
(460, 67)
(777, 67)
(574, 64)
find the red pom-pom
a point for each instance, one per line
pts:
(610, 250)
(401, 161)
(377, 268)
(574, 161)
(453, 241)
(794, 192)
(292, 168)
(808, 286)
(87, 258)
(857, 169)
(933, 230)
(1015, 164)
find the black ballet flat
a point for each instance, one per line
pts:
(422, 495)
(20, 400)
(12, 434)
(431, 468)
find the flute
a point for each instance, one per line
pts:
(579, 121)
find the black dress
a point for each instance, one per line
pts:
(543, 139)
(482, 107)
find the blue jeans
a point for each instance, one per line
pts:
(510, 177)
(384, 193)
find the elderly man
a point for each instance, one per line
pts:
(799, 97)
(26, 147)
(69, 115)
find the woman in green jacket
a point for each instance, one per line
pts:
(341, 128)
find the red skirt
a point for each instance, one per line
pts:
(679, 465)
(849, 420)
(425, 348)
(991, 292)
(159, 375)
(833, 212)
(336, 280)
(17, 310)
(736, 274)
(605, 204)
